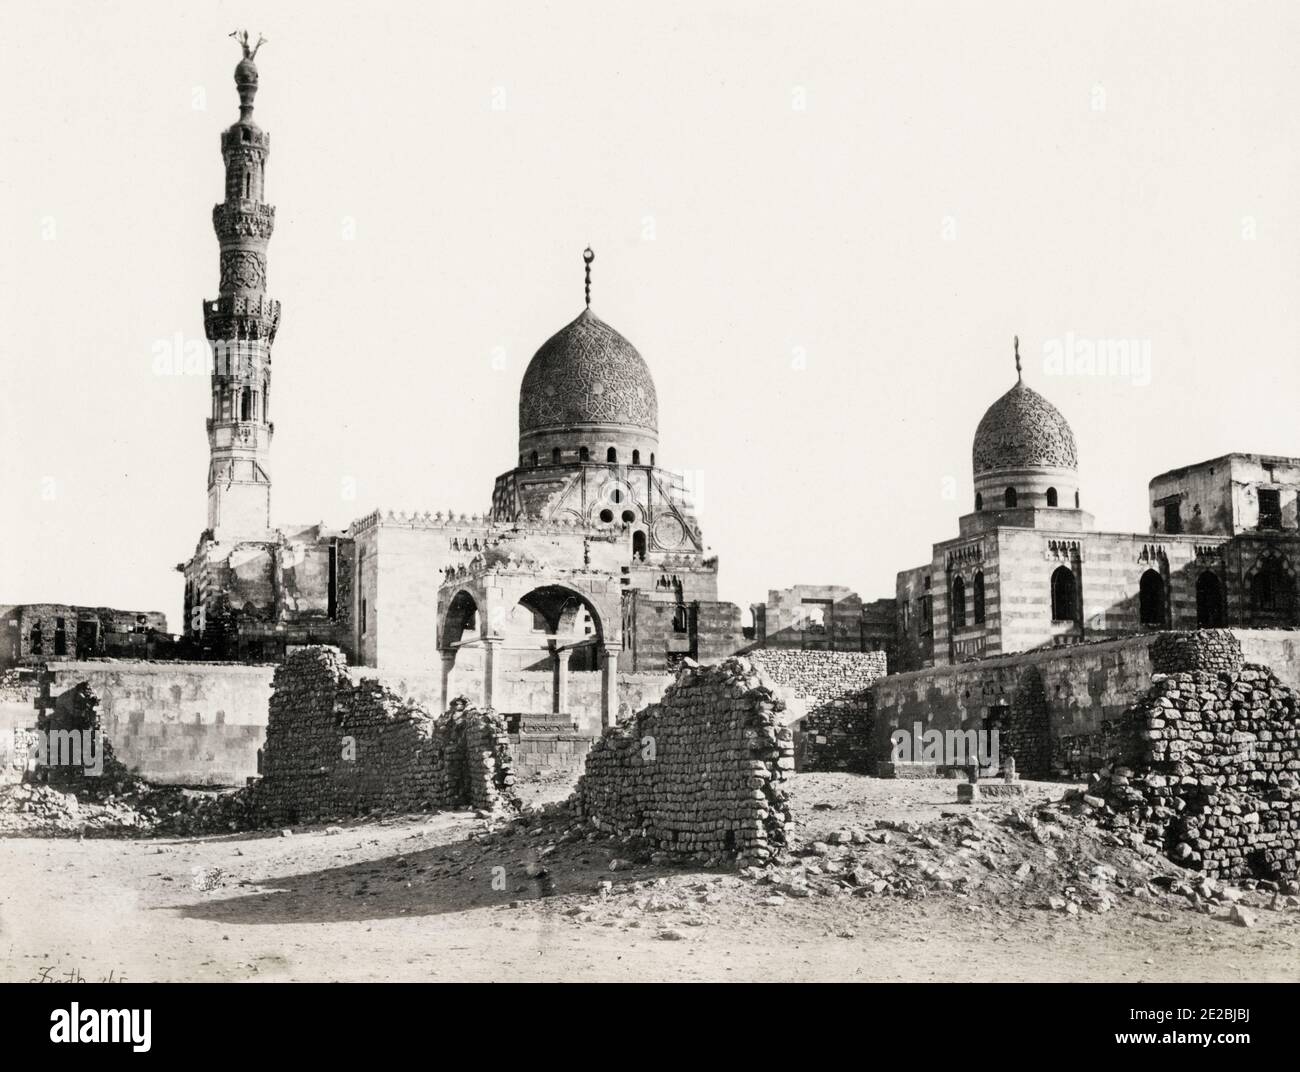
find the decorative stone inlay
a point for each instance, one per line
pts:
(242, 269)
(1022, 430)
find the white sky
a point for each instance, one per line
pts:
(734, 232)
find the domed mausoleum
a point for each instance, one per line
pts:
(1024, 453)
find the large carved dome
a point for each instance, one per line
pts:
(1022, 430)
(587, 374)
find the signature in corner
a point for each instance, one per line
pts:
(51, 973)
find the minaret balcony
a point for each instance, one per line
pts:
(233, 220)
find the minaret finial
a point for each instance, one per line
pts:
(250, 52)
(587, 257)
(1016, 344)
(246, 74)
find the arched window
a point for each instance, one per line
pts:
(978, 593)
(1151, 599)
(1271, 590)
(38, 640)
(611, 456)
(1076, 500)
(533, 457)
(248, 184)
(1051, 496)
(652, 457)
(555, 455)
(583, 454)
(1209, 600)
(246, 404)
(1063, 601)
(638, 545)
(1010, 498)
(958, 603)
(636, 457)
(979, 502)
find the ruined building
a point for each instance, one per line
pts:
(1028, 570)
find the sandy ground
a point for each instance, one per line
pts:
(421, 898)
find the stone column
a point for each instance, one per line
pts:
(448, 662)
(609, 686)
(560, 671)
(491, 670)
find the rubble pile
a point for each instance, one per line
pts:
(699, 772)
(1209, 766)
(139, 810)
(337, 749)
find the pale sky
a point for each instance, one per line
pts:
(821, 224)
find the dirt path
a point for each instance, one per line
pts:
(419, 899)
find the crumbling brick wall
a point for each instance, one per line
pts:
(700, 771)
(836, 732)
(1211, 650)
(336, 749)
(1208, 766)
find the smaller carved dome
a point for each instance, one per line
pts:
(1022, 430)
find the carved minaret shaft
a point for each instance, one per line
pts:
(240, 327)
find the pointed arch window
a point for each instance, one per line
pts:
(958, 603)
(1063, 595)
(1009, 497)
(978, 592)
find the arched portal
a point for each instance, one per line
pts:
(462, 617)
(1151, 599)
(1210, 612)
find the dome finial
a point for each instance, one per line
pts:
(1015, 341)
(587, 257)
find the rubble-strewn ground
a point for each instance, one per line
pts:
(920, 888)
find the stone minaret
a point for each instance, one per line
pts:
(240, 327)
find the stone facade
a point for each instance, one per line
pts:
(699, 772)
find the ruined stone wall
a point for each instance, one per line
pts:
(836, 730)
(17, 719)
(335, 749)
(700, 771)
(1208, 769)
(179, 723)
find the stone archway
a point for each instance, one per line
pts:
(509, 606)
(1210, 609)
